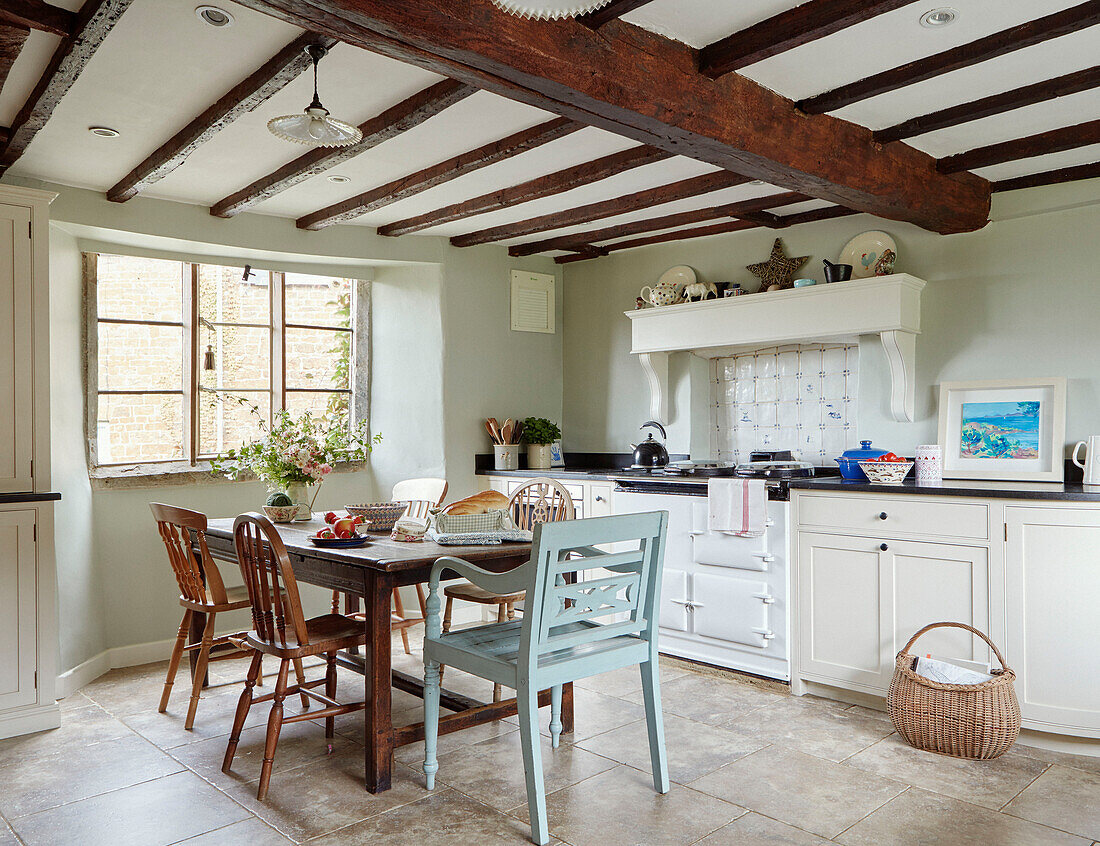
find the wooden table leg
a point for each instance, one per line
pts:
(377, 715)
(198, 625)
(567, 708)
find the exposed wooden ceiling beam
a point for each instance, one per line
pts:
(1040, 92)
(34, 14)
(241, 99)
(997, 44)
(12, 39)
(410, 112)
(583, 253)
(648, 198)
(534, 189)
(1050, 177)
(3, 134)
(746, 222)
(614, 9)
(1052, 141)
(789, 29)
(437, 174)
(580, 240)
(94, 22)
(648, 88)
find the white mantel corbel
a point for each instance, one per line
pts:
(887, 306)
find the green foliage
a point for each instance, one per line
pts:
(279, 498)
(1028, 409)
(539, 430)
(339, 405)
(299, 449)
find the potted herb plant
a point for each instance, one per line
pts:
(297, 452)
(538, 434)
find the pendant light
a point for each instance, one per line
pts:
(314, 127)
(550, 9)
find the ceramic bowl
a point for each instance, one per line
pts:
(804, 283)
(280, 513)
(378, 516)
(886, 472)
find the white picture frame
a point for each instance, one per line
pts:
(1021, 444)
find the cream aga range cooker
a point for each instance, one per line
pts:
(724, 598)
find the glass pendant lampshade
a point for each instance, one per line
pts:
(550, 9)
(314, 127)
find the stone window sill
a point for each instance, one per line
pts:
(130, 476)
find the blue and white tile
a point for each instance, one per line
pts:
(788, 388)
(744, 390)
(786, 415)
(788, 363)
(832, 441)
(809, 388)
(767, 389)
(766, 366)
(766, 415)
(833, 386)
(726, 369)
(810, 361)
(833, 359)
(744, 366)
(810, 441)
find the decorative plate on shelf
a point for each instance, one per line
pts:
(870, 254)
(678, 277)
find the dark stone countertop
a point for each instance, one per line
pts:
(45, 496)
(1069, 492)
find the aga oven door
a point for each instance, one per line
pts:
(732, 608)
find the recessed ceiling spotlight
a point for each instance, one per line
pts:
(104, 131)
(936, 18)
(758, 182)
(339, 180)
(214, 16)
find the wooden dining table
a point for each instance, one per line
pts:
(371, 572)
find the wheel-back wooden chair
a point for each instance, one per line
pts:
(202, 591)
(280, 629)
(541, 500)
(568, 632)
(422, 495)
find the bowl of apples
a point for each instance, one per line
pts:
(339, 532)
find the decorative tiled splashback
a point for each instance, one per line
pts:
(801, 398)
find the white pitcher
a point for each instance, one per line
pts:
(1091, 465)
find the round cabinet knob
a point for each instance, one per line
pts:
(883, 547)
(883, 515)
(600, 499)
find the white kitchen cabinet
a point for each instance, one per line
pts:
(16, 340)
(28, 593)
(590, 498)
(1052, 565)
(18, 608)
(862, 598)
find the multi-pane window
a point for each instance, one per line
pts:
(194, 359)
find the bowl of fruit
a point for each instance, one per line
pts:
(888, 469)
(339, 532)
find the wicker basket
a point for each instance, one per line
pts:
(965, 720)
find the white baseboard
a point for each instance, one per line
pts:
(30, 719)
(70, 681)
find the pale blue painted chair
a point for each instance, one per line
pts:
(560, 638)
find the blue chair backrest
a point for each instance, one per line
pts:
(631, 588)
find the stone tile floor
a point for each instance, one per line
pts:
(750, 767)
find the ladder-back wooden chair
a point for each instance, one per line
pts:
(201, 591)
(280, 629)
(422, 496)
(561, 637)
(542, 500)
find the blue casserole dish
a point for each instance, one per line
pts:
(849, 461)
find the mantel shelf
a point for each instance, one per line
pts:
(887, 306)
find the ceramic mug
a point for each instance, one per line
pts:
(929, 464)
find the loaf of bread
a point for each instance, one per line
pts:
(478, 503)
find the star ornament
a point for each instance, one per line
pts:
(778, 269)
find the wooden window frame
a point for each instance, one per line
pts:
(191, 324)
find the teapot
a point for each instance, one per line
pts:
(650, 452)
(661, 294)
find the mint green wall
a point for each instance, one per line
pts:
(443, 357)
(1017, 298)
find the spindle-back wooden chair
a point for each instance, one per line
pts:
(281, 629)
(569, 631)
(202, 591)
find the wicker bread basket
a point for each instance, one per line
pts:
(965, 720)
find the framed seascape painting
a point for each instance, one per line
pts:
(1010, 429)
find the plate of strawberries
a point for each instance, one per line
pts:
(339, 532)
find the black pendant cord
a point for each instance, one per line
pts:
(315, 53)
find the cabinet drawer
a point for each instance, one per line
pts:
(889, 516)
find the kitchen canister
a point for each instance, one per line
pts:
(929, 464)
(506, 456)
